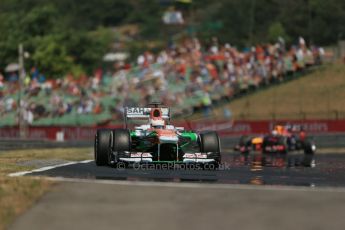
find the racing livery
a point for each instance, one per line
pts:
(282, 139)
(155, 141)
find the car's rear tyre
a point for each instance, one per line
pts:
(309, 147)
(210, 143)
(101, 146)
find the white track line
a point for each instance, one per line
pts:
(172, 184)
(23, 173)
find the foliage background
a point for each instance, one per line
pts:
(72, 36)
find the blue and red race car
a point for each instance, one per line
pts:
(282, 139)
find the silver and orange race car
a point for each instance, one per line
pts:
(148, 137)
(282, 139)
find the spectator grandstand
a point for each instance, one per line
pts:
(187, 76)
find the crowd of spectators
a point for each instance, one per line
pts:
(186, 76)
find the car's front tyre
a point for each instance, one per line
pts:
(210, 143)
(120, 143)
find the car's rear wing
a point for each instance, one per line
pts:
(143, 113)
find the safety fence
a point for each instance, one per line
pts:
(225, 128)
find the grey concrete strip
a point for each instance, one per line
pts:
(155, 183)
(106, 206)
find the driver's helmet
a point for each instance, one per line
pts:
(156, 120)
(157, 123)
(275, 133)
(279, 129)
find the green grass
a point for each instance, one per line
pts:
(319, 95)
(17, 194)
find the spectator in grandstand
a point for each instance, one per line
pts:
(206, 103)
(187, 73)
(1, 86)
(28, 116)
(97, 109)
(10, 104)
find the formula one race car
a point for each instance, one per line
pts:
(282, 139)
(156, 141)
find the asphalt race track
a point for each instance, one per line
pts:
(250, 192)
(325, 170)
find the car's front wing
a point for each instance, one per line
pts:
(146, 157)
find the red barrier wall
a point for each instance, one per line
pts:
(225, 128)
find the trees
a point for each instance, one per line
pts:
(277, 30)
(55, 43)
(51, 56)
(80, 32)
(251, 21)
